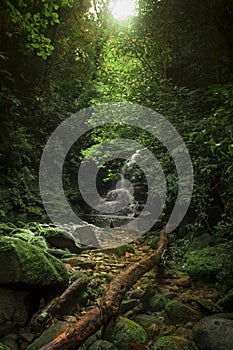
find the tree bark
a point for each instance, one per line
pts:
(109, 304)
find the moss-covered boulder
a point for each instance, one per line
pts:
(60, 239)
(49, 334)
(121, 250)
(207, 263)
(29, 265)
(101, 345)
(173, 343)
(122, 332)
(145, 320)
(177, 313)
(157, 302)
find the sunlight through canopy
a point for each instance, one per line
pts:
(122, 9)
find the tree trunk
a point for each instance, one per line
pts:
(109, 304)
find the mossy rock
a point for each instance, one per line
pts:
(29, 265)
(49, 334)
(60, 239)
(173, 343)
(122, 332)
(145, 320)
(157, 302)
(177, 313)
(101, 345)
(121, 250)
(207, 263)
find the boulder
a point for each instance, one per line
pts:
(28, 265)
(213, 333)
(122, 332)
(173, 343)
(157, 302)
(61, 239)
(49, 334)
(178, 313)
(14, 309)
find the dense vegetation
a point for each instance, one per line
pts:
(175, 57)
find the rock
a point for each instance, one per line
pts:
(79, 261)
(122, 332)
(226, 303)
(202, 241)
(145, 320)
(127, 305)
(14, 309)
(49, 334)
(29, 265)
(213, 333)
(173, 343)
(183, 282)
(101, 345)
(11, 341)
(157, 302)
(60, 239)
(206, 264)
(178, 313)
(183, 332)
(121, 250)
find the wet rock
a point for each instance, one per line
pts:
(122, 332)
(60, 239)
(213, 333)
(49, 334)
(157, 302)
(178, 313)
(29, 265)
(14, 309)
(101, 345)
(173, 343)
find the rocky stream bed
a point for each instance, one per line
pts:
(177, 308)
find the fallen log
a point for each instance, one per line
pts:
(109, 304)
(53, 309)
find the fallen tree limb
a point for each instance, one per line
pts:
(40, 319)
(109, 304)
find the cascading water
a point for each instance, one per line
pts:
(120, 202)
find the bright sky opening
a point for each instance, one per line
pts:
(122, 9)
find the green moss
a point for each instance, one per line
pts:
(173, 343)
(207, 263)
(101, 345)
(29, 264)
(5, 229)
(178, 313)
(157, 302)
(121, 250)
(122, 332)
(49, 334)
